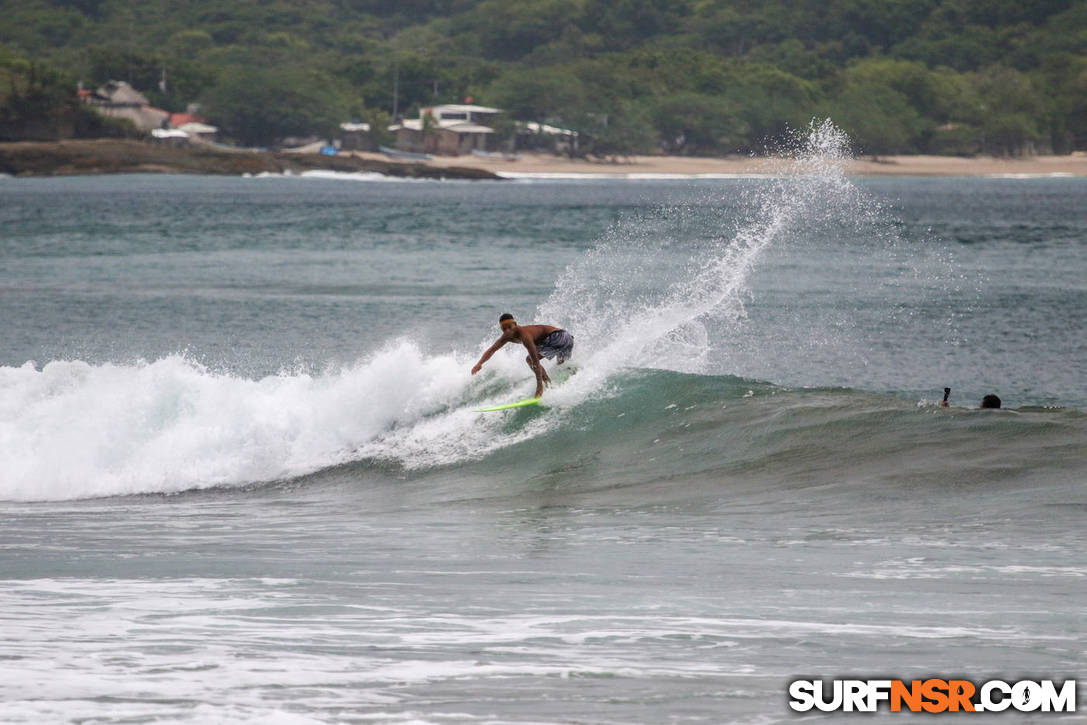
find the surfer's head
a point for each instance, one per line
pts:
(990, 401)
(506, 322)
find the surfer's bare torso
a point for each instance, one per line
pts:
(535, 333)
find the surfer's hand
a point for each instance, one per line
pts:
(475, 368)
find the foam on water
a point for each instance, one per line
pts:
(75, 430)
(529, 176)
(336, 176)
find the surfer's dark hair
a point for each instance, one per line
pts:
(504, 316)
(990, 401)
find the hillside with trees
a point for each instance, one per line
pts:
(700, 77)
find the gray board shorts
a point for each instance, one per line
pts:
(559, 343)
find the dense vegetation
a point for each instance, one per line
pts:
(683, 76)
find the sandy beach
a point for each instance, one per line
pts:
(545, 164)
(101, 156)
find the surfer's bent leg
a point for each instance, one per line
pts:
(543, 370)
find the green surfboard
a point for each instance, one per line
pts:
(507, 406)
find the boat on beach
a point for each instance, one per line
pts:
(397, 154)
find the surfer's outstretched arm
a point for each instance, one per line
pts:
(490, 351)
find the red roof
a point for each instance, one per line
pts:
(177, 120)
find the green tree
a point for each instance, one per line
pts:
(261, 107)
(877, 118)
(510, 30)
(625, 23)
(37, 103)
(189, 43)
(379, 121)
(539, 94)
(1014, 112)
(696, 123)
(771, 102)
(623, 132)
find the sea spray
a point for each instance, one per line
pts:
(608, 300)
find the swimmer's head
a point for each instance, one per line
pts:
(990, 401)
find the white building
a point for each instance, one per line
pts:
(452, 129)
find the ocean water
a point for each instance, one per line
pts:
(241, 479)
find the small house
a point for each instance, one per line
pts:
(355, 136)
(118, 99)
(533, 136)
(199, 131)
(194, 126)
(451, 130)
(169, 137)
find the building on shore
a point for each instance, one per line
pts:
(169, 137)
(117, 99)
(199, 131)
(450, 130)
(533, 136)
(183, 128)
(355, 136)
(195, 126)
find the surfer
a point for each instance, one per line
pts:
(540, 340)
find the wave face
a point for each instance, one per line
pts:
(681, 438)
